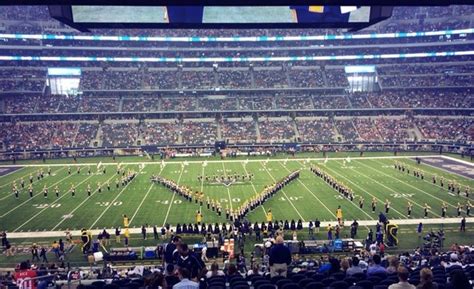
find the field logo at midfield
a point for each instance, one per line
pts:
(401, 196)
(44, 206)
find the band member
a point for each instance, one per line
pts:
(409, 208)
(426, 209)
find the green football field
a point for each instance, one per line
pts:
(307, 198)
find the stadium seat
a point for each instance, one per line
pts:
(327, 281)
(275, 279)
(216, 287)
(241, 286)
(259, 283)
(375, 279)
(265, 286)
(380, 286)
(350, 280)
(297, 277)
(302, 283)
(314, 285)
(282, 282)
(360, 276)
(290, 286)
(339, 285)
(236, 283)
(366, 284)
(318, 277)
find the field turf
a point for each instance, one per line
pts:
(307, 198)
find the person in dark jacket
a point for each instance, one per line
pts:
(280, 258)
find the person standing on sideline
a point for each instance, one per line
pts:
(419, 230)
(463, 225)
(280, 258)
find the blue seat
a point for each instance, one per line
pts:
(290, 286)
(314, 285)
(366, 284)
(259, 283)
(305, 281)
(339, 285)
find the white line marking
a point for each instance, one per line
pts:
(143, 200)
(411, 200)
(456, 160)
(291, 203)
(254, 189)
(172, 198)
(228, 161)
(425, 179)
(372, 218)
(441, 200)
(363, 190)
(311, 192)
(54, 202)
(15, 171)
(228, 190)
(111, 203)
(36, 195)
(404, 222)
(78, 206)
(447, 171)
(141, 203)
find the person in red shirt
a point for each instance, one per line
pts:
(23, 274)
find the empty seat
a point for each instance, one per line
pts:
(305, 281)
(339, 285)
(315, 285)
(290, 286)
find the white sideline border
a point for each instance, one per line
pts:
(230, 161)
(138, 230)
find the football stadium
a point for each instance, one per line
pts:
(209, 147)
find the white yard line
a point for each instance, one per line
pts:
(228, 190)
(12, 172)
(228, 161)
(54, 202)
(426, 193)
(111, 202)
(172, 198)
(36, 195)
(311, 192)
(372, 218)
(457, 160)
(253, 186)
(427, 180)
(390, 189)
(202, 179)
(445, 170)
(78, 206)
(288, 199)
(27, 182)
(143, 200)
(363, 190)
(404, 222)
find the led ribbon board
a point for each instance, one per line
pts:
(237, 59)
(236, 38)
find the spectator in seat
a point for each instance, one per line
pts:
(426, 280)
(214, 271)
(280, 258)
(376, 267)
(458, 280)
(355, 268)
(403, 274)
(184, 283)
